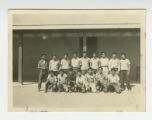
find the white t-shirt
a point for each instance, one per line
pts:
(84, 63)
(113, 79)
(54, 65)
(81, 79)
(124, 64)
(90, 78)
(52, 78)
(75, 62)
(62, 78)
(94, 63)
(65, 64)
(104, 62)
(114, 63)
(100, 77)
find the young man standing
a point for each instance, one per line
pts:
(65, 63)
(104, 62)
(84, 62)
(114, 63)
(75, 63)
(54, 65)
(42, 67)
(113, 80)
(124, 71)
(94, 63)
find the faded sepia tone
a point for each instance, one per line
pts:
(32, 32)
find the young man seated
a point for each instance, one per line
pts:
(101, 80)
(51, 82)
(80, 82)
(62, 82)
(71, 80)
(113, 80)
(90, 81)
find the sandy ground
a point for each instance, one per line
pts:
(27, 96)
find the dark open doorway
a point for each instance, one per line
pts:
(91, 45)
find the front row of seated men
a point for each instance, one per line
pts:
(83, 82)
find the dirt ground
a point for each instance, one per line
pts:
(27, 96)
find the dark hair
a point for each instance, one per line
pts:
(100, 68)
(103, 52)
(51, 72)
(66, 54)
(113, 69)
(43, 54)
(89, 69)
(114, 53)
(123, 53)
(75, 52)
(54, 55)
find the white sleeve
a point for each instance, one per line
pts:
(50, 65)
(118, 78)
(128, 61)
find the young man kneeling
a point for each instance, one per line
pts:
(80, 82)
(62, 82)
(101, 81)
(51, 82)
(113, 80)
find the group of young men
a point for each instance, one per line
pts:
(85, 74)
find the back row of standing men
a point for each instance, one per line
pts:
(121, 66)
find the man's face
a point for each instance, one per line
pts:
(94, 55)
(65, 56)
(112, 72)
(74, 55)
(114, 56)
(84, 54)
(43, 57)
(51, 74)
(90, 71)
(100, 70)
(79, 73)
(70, 72)
(103, 55)
(54, 57)
(123, 56)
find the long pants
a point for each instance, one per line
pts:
(80, 88)
(42, 76)
(102, 86)
(115, 87)
(62, 87)
(124, 79)
(71, 86)
(90, 86)
(51, 85)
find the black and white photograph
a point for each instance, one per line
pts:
(77, 60)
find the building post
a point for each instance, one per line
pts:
(20, 58)
(84, 42)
